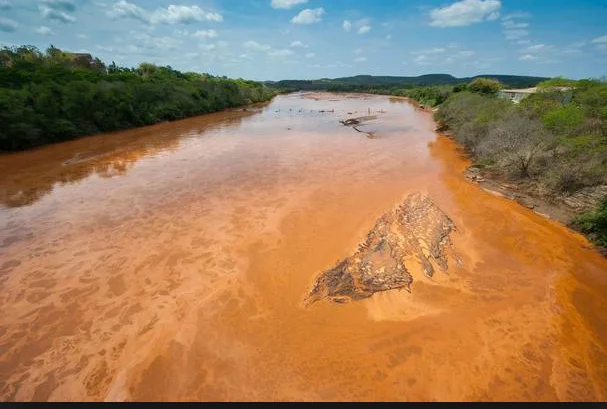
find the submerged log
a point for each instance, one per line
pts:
(357, 121)
(350, 122)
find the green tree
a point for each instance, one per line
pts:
(484, 86)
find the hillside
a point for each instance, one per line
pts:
(359, 82)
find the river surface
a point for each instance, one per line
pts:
(170, 263)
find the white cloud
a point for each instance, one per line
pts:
(151, 43)
(106, 48)
(214, 51)
(364, 29)
(83, 36)
(518, 14)
(65, 5)
(481, 65)
(255, 46)
(286, 4)
(45, 31)
(280, 53)
(191, 55)
(170, 15)
(298, 43)
(600, 40)
(549, 61)
(360, 59)
(465, 13)
(183, 15)
(388, 36)
(308, 16)
(145, 44)
(535, 48)
(523, 42)
(124, 9)
(53, 12)
(358, 51)
(310, 55)
(466, 53)
(515, 34)
(244, 56)
(6, 24)
(601, 43)
(432, 55)
(509, 24)
(205, 34)
(528, 57)
(493, 16)
(429, 51)
(362, 26)
(5, 5)
(421, 60)
(514, 30)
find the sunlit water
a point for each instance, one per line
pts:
(170, 263)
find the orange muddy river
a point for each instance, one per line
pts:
(170, 263)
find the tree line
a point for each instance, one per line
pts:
(54, 96)
(360, 83)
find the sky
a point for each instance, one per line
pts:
(307, 39)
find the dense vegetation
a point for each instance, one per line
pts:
(55, 96)
(390, 85)
(554, 141)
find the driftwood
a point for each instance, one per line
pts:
(358, 120)
(353, 122)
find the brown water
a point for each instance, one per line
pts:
(170, 263)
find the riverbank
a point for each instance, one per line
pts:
(549, 151)
(561, 208)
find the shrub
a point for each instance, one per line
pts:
(594, 223)
(564, 121)
(514, 143)
(484, 86)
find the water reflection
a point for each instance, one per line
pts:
(29, 176)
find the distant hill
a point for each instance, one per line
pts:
(370, 81)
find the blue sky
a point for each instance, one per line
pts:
(297, 39)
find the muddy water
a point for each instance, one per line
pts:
(170, 263)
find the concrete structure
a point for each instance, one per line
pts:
(516, 95)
